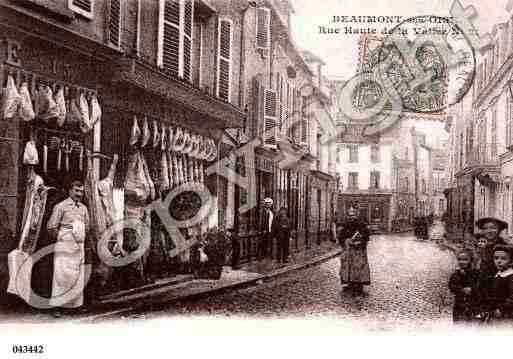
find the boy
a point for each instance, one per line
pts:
(463, 284)
(500, 298)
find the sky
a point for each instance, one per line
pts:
(340, 51)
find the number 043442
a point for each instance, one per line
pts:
(28, 349)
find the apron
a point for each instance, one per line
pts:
(68, 275)
(354, 266)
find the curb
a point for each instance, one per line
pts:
(155, 303)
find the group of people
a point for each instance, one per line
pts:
(278, 228)
(483, 282)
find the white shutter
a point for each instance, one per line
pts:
(115, 22)
(224, 59)
(270, 117)
(263, 33)
(187, 39)
(175, 37)
(82, 7)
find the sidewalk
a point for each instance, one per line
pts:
(185, 287)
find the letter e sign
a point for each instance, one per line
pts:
(13, 53)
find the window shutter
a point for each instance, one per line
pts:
(169, 45)
(187, 39)
(270, 117)
(304, 131)
(82, 7)
(115, 22)
(263, 28)
(224, 59)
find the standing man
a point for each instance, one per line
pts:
(266, 229)
(354, 265)
(69, 224)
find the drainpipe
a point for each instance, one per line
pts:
(138, 29)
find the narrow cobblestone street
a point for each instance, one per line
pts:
(409, 288)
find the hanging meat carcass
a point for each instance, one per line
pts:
(137, 193)
(85, 120)
(46, 108)
(25, 109)
(73, 114)
(136, 186)
(35, 203)
(95, 111)
(148, 177)
(135, 133)
(100, 198)
(156, 134)
(178, 140)
(30, 155)
(61, 106)
(11, 99)
(146, 134)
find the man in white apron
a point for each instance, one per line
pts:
(69, 224)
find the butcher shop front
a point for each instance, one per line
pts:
(169, 136)
(140, 151)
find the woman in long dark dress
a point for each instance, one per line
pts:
(281, 229)
(354, 265)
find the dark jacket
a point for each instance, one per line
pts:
(264, 221)
(281, 227)
(501, 296)
(350, 227)
(465, 306)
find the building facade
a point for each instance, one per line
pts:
(187, 82)
(479, 170)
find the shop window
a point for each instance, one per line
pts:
(82, 7)
(353, 153)
(224, 59)
(352, 180)
(175, 37)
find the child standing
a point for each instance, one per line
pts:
(482, 243)
(463, 284)
(500, 298)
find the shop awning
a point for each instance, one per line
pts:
(216, 113)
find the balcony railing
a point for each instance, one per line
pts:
(483, 154)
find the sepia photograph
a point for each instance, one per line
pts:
(257, 169)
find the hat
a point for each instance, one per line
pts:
(500, 224)
(504, 248)
(268, 201)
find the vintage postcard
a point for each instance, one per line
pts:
(294, 163)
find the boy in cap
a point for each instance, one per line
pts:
(499, 301)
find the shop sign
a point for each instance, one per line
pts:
(60, 64)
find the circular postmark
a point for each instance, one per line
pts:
(428, 61)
